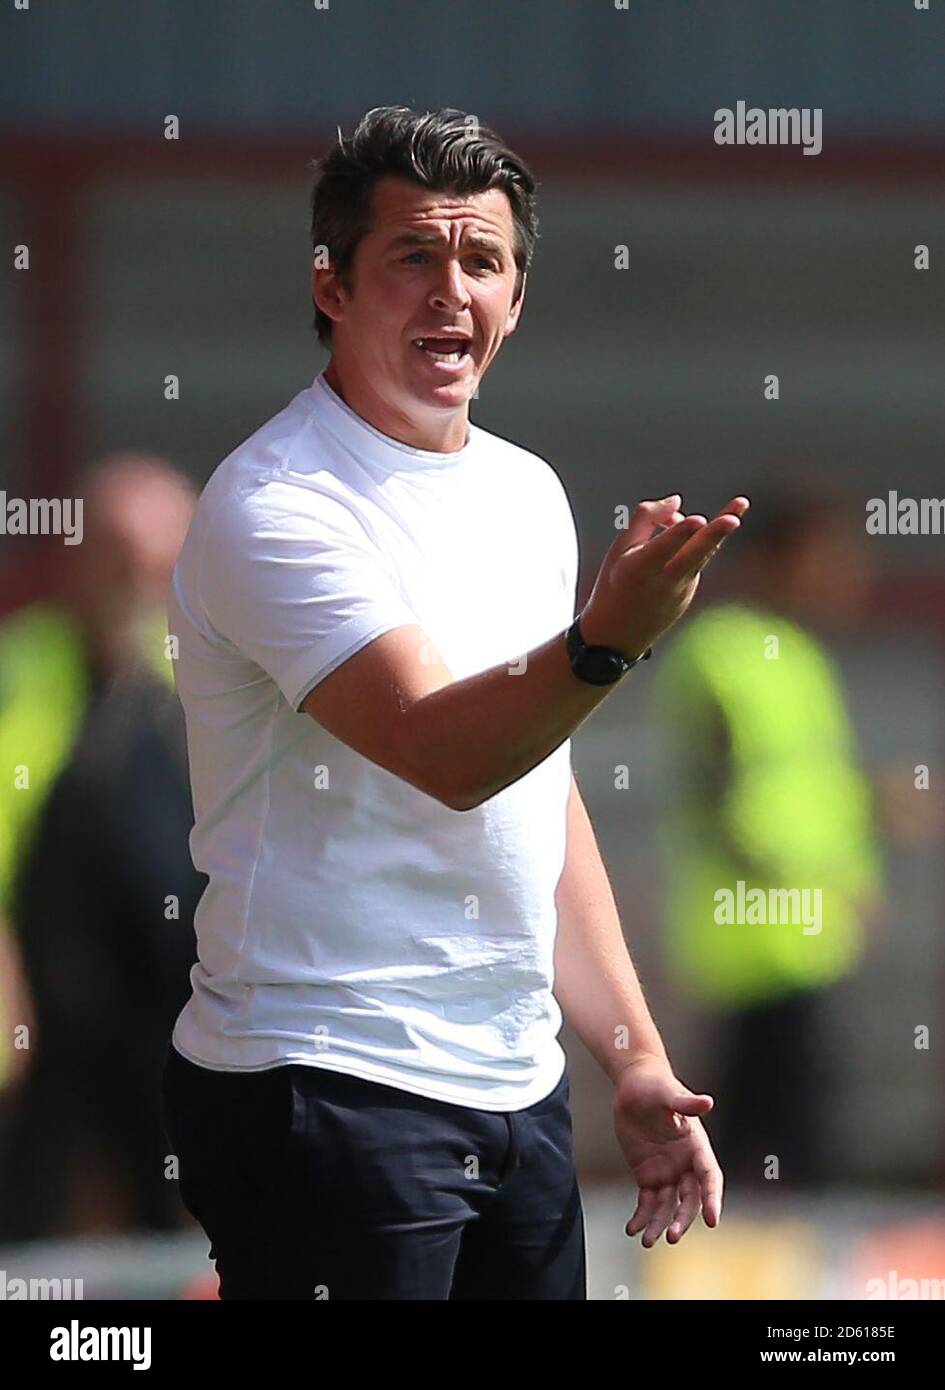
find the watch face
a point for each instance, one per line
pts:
(596, 665)
(600, 665)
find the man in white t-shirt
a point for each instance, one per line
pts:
(380, 670)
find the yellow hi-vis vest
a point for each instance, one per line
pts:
(767, 796)
(44, 691)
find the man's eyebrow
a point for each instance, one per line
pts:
(476, 242)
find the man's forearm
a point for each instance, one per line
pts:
(595, 982)
(528, 712)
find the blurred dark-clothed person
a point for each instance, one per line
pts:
(97, 887)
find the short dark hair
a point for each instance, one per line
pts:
(447, 151)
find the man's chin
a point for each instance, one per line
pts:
(444, 394)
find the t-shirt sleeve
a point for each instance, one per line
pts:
(291, 577)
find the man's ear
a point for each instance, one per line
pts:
(511, 323)
(329, 292)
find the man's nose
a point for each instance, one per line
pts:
(450, 288)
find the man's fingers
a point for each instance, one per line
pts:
(644, 1212)
(708, 546)
(648, 516)
(711, 1185)
(699, 550)
(687, 1103)
(688, 1206)
(661, 549)
(663, 1215)
(737, 507)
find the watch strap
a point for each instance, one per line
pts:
(596, 664)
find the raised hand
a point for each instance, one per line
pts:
(649, 576)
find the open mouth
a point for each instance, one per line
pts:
(450, 350)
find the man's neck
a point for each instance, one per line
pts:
(444, 437)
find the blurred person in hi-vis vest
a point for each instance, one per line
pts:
(97, 889)
(766, 792)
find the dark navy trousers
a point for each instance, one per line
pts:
(313, 1184)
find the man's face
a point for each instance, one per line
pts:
(433, 264)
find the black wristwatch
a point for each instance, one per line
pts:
(598, 665)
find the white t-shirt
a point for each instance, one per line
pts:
(351, 921)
